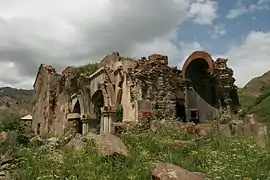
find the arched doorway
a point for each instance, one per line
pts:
(98, 103)
(75, 119)
(201, 96)
(202, 82)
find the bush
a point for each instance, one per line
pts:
(11, 122)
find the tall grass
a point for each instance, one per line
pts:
(216, 157)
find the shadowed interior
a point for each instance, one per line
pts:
(202, 82)
(98, 102)
(78, 123)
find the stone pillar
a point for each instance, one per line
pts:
(109, 116)
(186, 103)
(85, 128)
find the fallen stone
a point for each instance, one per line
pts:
(256, 129)
(108, 144)
(204, 129)
(5, 175)
(225, 118)
(78, 142)
(52, 141)
(251, 118)
(167, 171)
(259, 132)
(9, 137)
(224, 130)
(37, 140)
(237, 127)
(5, 159)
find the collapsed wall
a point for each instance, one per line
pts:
(156, 84)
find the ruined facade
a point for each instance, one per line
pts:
(119, 89)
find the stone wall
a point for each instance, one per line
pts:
(41, 103)
(144, 86)
(156, 82)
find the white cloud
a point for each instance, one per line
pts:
(218, 30)
(177, 52)
(204, 11)
(251, 57)
(242, 9)
(66, 32)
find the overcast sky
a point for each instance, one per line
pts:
(66, 32)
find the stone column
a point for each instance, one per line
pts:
(85, 128)
(186, 103)
(109, 116)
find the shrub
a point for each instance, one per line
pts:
(11, 122)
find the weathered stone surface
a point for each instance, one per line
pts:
(5, 175)
(53, 141)
(78, 142)
(224, 130)
(107, 145)
(258, 131)
(225, 118)
(5, 166)
(237, 127)
(167, 171)
(9, 137)
(199, 129)
(37, 140)
(146, 89)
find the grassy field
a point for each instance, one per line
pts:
(216, 157)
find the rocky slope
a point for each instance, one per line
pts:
(15, 100)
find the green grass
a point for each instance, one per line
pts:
(257, 105)
(219, 158)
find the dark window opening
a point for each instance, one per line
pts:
(98, 102)
(38, 128)
(77, 122)
(180, 110)
(194, 116)
(77, 108)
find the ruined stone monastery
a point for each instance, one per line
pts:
(119, 89)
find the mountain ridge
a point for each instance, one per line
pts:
(15, 100)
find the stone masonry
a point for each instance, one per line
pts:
(88, 99)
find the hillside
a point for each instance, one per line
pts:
(255, 96)
(15, 100)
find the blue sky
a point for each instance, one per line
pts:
(235, 29)
(68, 32)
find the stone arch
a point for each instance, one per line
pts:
(202, 55)
(198, 69)
(78, 103)
(75, 116)
(77, 108)
(98, 101)
(98, 98)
